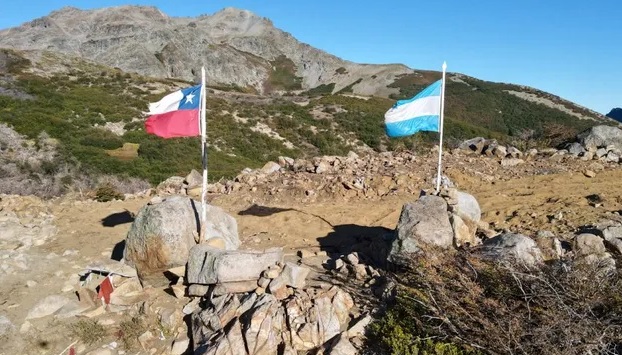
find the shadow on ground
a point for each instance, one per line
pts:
(372, 244)
(116, 219)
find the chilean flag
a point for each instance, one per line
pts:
(176, 115)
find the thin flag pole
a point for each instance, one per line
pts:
(204, 156)
(441, 119)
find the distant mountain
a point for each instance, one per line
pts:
(616, 114)
(236, 46)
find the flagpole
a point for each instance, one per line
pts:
(441, 119)
(204, 157)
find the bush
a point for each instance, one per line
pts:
(107, 192)
(466, 305)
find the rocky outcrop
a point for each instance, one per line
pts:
(601, 137)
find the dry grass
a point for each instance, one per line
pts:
(88, 331)
(482, 307)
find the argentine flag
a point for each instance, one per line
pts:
(421, 113)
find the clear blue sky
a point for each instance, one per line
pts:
(567, 47)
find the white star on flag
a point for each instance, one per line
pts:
(189, 98)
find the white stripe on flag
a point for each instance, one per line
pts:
(425, 106)
(168, 103)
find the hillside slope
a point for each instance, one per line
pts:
(94, 116)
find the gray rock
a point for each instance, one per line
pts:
(171, 186)
(293, 275)
(194, 179)
(612, 157)
(514, 247)
(48, 306)
(601, 152)
(262, 331)
(601, 136)
(359, 327)
(575, 149)
(500, 151)
(422, 222)
(342, 346)
(467, 207)
(586, 244)
(475, 145)
(6, 326)
(163, 234)
(322, 167)
(270, 167)
(463, 235)
(234, 287)
(514, 152)
(207, 265)
(613, 238)
(180, 346)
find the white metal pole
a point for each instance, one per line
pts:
(204, 156)
(441, 118)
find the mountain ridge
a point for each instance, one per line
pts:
(236, 46)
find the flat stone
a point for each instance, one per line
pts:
(197, 290)
(234, 287)
(47, 306)
(207, 265)
(359, 326)
(180, 346)
(6, 326)
(294, 275)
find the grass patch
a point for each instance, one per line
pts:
(88, 331)
(130, 330)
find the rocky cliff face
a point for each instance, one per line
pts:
(237, 47)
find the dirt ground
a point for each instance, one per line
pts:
(560, 203)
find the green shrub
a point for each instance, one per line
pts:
(106, 192)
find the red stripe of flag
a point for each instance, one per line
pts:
(180, 123)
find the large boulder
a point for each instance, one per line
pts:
(163, 233)
(422, 222)
(601, 136)
(513, 247)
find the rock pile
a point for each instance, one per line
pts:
(264, 307)
(451, 219)
(439, 221)
(166, 229)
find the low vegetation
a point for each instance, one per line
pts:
(461, 304)
(95, 116)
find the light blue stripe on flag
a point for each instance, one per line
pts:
(409, 127)
(420, 113)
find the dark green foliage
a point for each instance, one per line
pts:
(498, 114)
(341, 70)
(349, 88)
(324, 89)
(283, 75)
